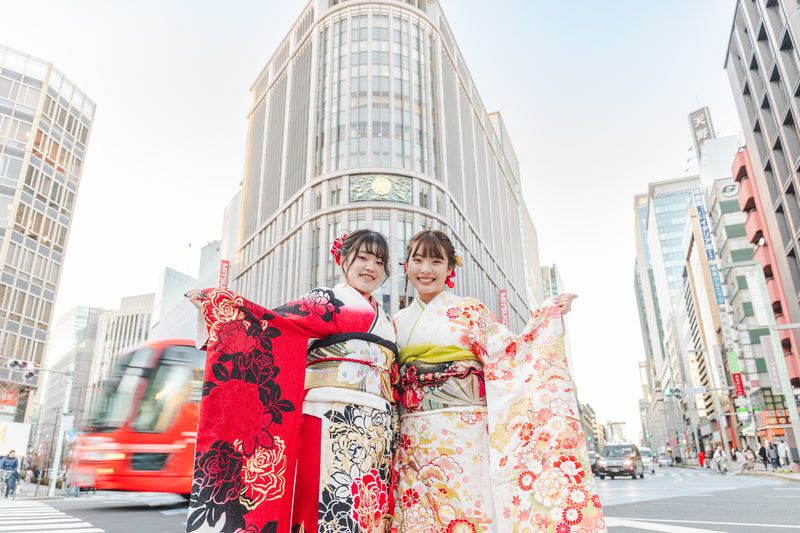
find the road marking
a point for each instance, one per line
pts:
(646, 526)
(713, 523)
(34, 516)
(175, 511)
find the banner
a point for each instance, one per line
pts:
(504, 307)
(738, 385)
(8, 400)
(224, 267)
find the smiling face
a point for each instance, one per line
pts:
(364, 271)
(427, 275)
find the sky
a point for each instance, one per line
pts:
(595, 95)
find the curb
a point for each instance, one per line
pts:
(794, 478)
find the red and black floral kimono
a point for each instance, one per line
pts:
(296, 421)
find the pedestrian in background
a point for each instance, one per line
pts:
(772, 455)
(8, 469)
(783, 454)
(750, 457)
(701, 458)
(762, 454)
(721, 460)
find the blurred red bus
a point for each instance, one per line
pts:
(143, 426)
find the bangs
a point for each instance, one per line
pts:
(428, 245)
(374, 244)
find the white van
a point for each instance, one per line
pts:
(647, 459)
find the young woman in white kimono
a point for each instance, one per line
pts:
(296, 422)
(490, 439)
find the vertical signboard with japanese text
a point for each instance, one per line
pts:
(702, 129)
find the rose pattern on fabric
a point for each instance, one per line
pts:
(320, 302)
(357, 475)
(264, 475)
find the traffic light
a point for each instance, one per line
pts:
(667, 392)
(678, 393)
(28, 368)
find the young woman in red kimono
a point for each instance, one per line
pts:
(295, 425)
(490, 437)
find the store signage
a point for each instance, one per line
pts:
(702, 129)
(224, 268)
(772, 365)
(738, 385)
(504, 307)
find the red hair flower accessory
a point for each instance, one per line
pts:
(449, 280)
(336, 248)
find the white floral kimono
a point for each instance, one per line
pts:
(490, 436)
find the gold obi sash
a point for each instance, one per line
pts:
(438, 377)
(354, 361)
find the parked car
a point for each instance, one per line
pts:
(664, 460)
(647, 459)
(593, 461)
(620, 460)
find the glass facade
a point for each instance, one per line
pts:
(373, 156)
(45, 123)
(671, 214)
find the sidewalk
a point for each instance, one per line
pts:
(27, 491)
(781, 475)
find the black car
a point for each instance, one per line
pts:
(620, 460)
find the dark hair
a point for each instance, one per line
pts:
(432, 243)
(371, 242)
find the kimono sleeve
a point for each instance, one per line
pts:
(539, 463)
(250, 415)
(319, 313)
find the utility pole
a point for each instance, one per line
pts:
(60, 444)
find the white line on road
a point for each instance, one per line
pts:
(175, 511)
(646, 526)
(72, 528)
(714, 523)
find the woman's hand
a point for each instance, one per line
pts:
(564, 302)
(196, 296)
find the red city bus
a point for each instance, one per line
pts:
(142, 429)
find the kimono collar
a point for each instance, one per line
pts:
(423, 305)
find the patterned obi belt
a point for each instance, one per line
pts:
(438, 377)
(354, 361)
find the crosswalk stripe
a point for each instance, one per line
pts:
(41, 518)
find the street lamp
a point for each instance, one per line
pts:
(780, 362)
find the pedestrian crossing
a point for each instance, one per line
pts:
(19, 516)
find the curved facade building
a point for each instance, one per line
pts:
(45, 124)
(366, 117)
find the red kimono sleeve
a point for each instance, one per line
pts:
(251, 408)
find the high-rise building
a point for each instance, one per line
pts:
(70, 348)
(763, 66)
(366, 116)
(45, 121)
(119, 329)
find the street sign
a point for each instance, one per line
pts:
(695, 390)
(71, 434)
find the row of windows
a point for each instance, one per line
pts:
(56, 155)
(25, 308)
(20, 347)
(31, 265)
(19, 93)
(32, 222)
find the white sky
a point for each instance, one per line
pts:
(595, 95)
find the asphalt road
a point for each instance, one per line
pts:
(678, 500)
(673, 500)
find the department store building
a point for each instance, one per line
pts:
(366, 116)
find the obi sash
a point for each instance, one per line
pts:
(439, 377)
(354, 361)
